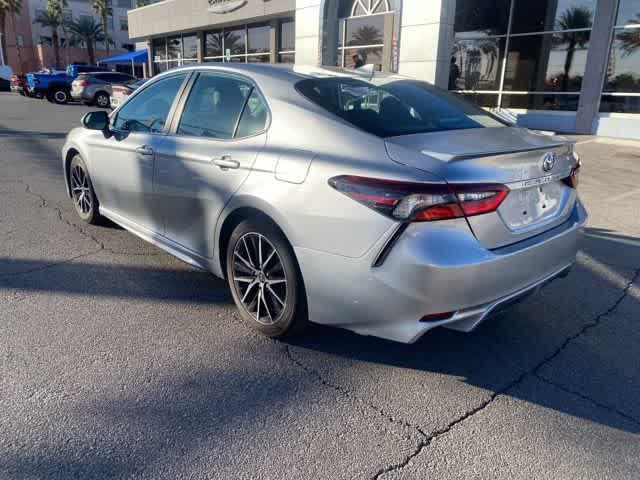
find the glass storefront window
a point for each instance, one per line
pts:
(619, 104)
(552, 15)
(214, 44)
(159, 49)
(287, 36)
(540, 101)
(190, 46)
(365, 31)
(235, 41)
(258, 59)
(623, 72)
(356, 57)
(538, 63)
(258, 39)
(174, 47)
(287, 58)
(476, 64)
(481, 17)
(518, 50)
(628, 13)
(621, 91)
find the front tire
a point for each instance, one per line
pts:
(82, 193)
(102, 100)
(265, 280)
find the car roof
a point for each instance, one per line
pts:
(292, 73)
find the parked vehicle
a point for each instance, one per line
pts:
(5, 78)
(19, 83)
(120, 92)
(95, 88)
(56, 86)
(375, 203)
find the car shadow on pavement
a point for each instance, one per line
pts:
(579, 334)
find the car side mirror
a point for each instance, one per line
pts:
(98, 120)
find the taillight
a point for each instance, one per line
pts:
(121, 90)
(421, 202)
(574, 177)
(82, 83)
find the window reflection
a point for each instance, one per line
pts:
(482, 17)
(547, 62)
(365, 31)
(476, 64)
(628, 13)
(258, 39)
(623, 72)
(540, 101)
(552, 15)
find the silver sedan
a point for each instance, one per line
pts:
(374, 203)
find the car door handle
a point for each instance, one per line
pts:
(226, 162)
(144, 150)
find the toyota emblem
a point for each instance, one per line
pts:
(548, 161)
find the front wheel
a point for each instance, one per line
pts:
(82, 193)
(265, 280)
(102, 100)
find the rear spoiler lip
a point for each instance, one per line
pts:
(452, 157)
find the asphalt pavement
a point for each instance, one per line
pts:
(119, 361)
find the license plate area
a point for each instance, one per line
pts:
(534, 204)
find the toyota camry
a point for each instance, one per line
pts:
(371, 202)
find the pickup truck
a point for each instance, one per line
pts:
(56, 86)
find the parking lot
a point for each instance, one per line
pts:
(119, 361)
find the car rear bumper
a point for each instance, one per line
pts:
(80, 95)
(433, 269)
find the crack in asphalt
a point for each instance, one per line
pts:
(44, 203)
(427, 439)
(344, 392)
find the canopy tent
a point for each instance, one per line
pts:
(139, 57)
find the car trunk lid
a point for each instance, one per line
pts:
(538, 200)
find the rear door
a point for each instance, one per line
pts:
(212, 147)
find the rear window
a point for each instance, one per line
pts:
(402, 107)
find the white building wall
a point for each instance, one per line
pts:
(426, 39)
(308, 26)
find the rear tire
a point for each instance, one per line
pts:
(60, 96)
(82, 193)
(264, 278)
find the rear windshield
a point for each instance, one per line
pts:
(401, 107)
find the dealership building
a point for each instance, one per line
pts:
(563, 65)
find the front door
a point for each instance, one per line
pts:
(123, 165)
(205, 160)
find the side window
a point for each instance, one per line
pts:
(213, 106)
(147, 111)
(254, 116)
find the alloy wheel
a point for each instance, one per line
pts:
(60, 96)
(102, 101)
(81, 191)
(259, 278)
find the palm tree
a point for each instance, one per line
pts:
(366, 35)
(47, 19)
(57, 7)
(630, 39)
(573, 18)
(105, 10)
(89, 32)
(10, 8)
